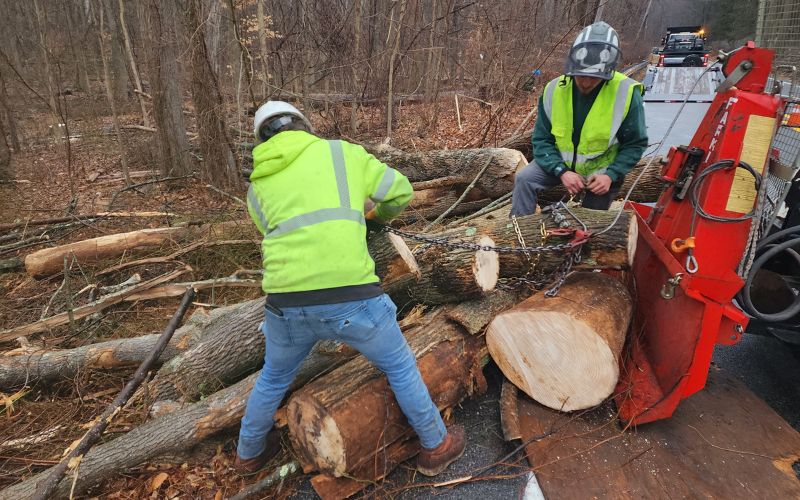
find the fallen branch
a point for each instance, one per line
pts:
(277, 476)
(28, 366)
(138, 127)
(227, 195)
(171, 257)
(175, 289)
(463, 195)
(88, 309)
(73, 218)
(46, 488)
(134, 186)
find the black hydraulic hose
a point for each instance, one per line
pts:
(746, 301)
(776, 236)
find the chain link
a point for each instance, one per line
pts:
(572, 254)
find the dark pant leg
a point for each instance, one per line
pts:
(593, 201)
(528, 183)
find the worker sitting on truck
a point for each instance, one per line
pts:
(307, 199)
(586, 140)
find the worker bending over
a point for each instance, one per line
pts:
(307, 199)
(587, 139)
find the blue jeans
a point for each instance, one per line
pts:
(532, 180)
(370, 326)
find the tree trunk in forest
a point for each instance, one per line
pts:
(423, 166)
(162, 63)
(394, 53)
(119, 70)
(110, 97)
(212, 34)
(51, 85)
(49, 261)
(219, 164)
(326, 421)
(7, 115)
(173, 432)
(137, 81)
(29, 368)
(563, 351)
(359, 7)
(78, 56)
(262, 46)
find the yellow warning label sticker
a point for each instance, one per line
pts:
(757, 140)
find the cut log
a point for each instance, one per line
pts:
(49, 261)
(613, 249)
(445, 276)
(563, 351)
(339, 422)
(424, 166)
(28, 368)
(169, 434)
(648, 189)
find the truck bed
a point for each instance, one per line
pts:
(665, 90)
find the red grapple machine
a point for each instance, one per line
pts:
(692, 242)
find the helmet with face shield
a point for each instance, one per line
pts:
(595, 52)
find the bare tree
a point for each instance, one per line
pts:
(7, 119)
(219, 164)
(162, 50)
(137, 81)
(104, 39)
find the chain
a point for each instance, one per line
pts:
(454, 243)
(571, 249)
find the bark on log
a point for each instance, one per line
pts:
(326, 417)
(423, 166)
(30, 368)
(49, 261)
(563, 351)
(166, 435)
(611, 250)
(338, 488)
(648, 189)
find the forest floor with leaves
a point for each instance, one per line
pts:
(38, 422)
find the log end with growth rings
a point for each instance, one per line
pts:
(545, 363)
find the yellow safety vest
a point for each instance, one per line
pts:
(598, 144)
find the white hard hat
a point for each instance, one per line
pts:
(274, 109)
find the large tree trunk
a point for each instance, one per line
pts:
(495, 182)
(49, 261)
(563, 351)
(29, 368)
(163, 51)
(171, 433)
(219, 164)
(327, 417)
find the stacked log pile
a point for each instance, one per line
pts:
(342, 419)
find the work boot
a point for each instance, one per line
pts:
(253, 465)
(433, 462)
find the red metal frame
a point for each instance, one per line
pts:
(673, 339)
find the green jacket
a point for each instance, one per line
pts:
(307, 199)
(631, 136)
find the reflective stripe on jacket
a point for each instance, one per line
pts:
(307, 199)
(598, 145)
